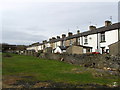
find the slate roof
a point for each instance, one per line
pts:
(55, 40)
(97, 30)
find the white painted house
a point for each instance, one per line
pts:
(57, 50)
(100, 38)
(34, 48)
(40, 47)
(97, 38)
(60, 49)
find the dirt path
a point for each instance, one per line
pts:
(18, 82)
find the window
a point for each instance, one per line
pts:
(103, 37)
(86, 40)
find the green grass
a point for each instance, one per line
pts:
(42, 70)
(0, 64)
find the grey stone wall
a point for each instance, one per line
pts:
(74, 50)
(103, 61)
(88, 60)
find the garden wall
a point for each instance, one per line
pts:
(104, 61)
(88, 60)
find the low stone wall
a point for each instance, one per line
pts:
(88, 60)
(103, 61)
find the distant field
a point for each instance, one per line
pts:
(32, 69)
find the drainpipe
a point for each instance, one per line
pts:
(118, 34)
(118, 41)
(97, 41)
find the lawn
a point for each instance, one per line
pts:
(0, 70)
(36, 69)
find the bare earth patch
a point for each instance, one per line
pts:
(7, 81)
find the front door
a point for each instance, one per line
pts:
(103, 50)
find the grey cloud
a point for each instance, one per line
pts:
(19, 37)
(38, 21)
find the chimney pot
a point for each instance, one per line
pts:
(53, 38)
(70, 34)
(45, 41)
(58, 37)
(63, 35)
(92, 27)
(107, 23)
(50, 39)
(78, 31)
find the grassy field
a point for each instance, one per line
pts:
(35, 69)
(0, 70)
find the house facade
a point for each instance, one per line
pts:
(93, 40)
(32, 48)
(100, 38)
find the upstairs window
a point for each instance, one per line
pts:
(103, 37)
(86, 40)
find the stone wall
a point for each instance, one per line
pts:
(88, 60)
(74, 50)
(103, 61)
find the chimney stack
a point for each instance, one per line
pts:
(63, 35)
(50, 39)
(58, 37)
(78, 31)
(53, 38)
(70, 34)
(45, 41)
(92, 27)
(107, 23)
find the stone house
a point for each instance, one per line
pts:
(115, 48)
(78, 49)
(71, 40)
(40, 47)
(32, 48)
(99, 38)
(94, 40)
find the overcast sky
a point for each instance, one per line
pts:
(30, 22)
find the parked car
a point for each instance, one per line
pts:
(95, 52)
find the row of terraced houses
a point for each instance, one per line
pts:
(95, 40)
